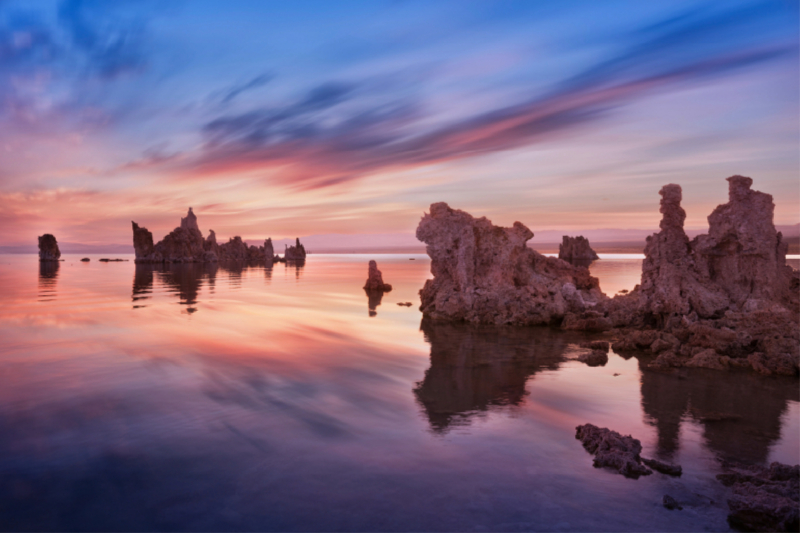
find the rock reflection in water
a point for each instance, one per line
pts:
(740, 412)
(48, 278)
(183, 279)
(374, 299)
(474, 368)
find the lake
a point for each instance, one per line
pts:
(208, 398)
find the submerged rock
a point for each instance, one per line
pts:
(576, 250)
(594, 358)
(664, 468)
(670, 503)
(764, 499)
(612, 450)
(48, 248)
(375, 279)
(486, 274)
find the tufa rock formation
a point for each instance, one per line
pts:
(48, 248)
(486, 274)
(295, 253)
(375, 279)
(764, 499)
(185, 244)
(725, 299)
(576, 250)
(621, 453)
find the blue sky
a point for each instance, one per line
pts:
(295, 118)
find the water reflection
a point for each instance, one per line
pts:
(740, 412)
(297, 266)
(374, 299)
(48, 277)
(183, 279)
(474, 368)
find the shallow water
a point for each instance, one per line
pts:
(212, 398)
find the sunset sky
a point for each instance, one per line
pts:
(287, 119)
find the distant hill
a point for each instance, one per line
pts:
(608, 240)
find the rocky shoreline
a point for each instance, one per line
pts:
(723, 300)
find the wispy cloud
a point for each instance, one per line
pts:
(318, 141)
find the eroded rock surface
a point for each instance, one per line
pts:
(48, 248)
(723, 300)
(612, 450)
(576, 250)
(486, 274)
(764, 499)
(375, 279)
(185, 244)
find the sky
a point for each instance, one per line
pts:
(298, 118)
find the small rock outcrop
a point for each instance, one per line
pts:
(612, 450)
(621, 453)
(295, 253)
(594, 358)
(486, 274)
(185, 244)
(670, 503)
(576, 250)
(48, 248)
(375, 279)
(764, 499)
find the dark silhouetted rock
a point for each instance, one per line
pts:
(670, 503)
(295, 253)
(594, 358)
(596, 345)
(48, 248)
(405, 304)
(576, 250)
(764, 499)
(85, 260)
(185, 244)
(664, 468)
(375, 279)
(612, 450)
(487, 274)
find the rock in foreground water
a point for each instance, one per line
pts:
(612, 450)
(764, 499)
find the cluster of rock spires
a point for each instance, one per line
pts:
(723, 299)
(185, 244)
(48, 248)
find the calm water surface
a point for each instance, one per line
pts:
(244, 398)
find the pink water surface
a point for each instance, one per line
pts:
(245, 398)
